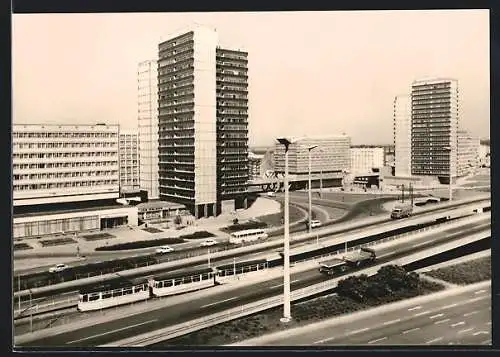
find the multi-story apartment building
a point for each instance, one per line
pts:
(364, 158)
(332, 156)
(64, 163)
(147, 87)
(66, 179)
(402, 135)
(203, 116)
(468, 152)
(435, 116)
(129, 161)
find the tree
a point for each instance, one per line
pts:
(235, 221)
(354, 287)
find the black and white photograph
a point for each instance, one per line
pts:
(251, 179)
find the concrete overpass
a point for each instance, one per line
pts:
(276, 183)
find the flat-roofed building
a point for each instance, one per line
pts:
(365, 158)
(468, 152)
(331, 156)
(129, 161)
(64, 163)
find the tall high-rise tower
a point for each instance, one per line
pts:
(148, 126)
(435, 115)
(402, 135)
(203, 140)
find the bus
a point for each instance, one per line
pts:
(248, 235)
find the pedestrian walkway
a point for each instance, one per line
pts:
(438, 281)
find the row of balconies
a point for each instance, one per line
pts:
(225, 80)
(169, 57)
(231, 64)
(177, 41)
(222, 56)
(162, 88)
(170, 112)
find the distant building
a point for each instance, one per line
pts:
(365, 158)
(434, 126)
(147, 112)
(254, 165)
(484, 155)
(468, 152)
(330, 157)
(402, 135)
(129, 161)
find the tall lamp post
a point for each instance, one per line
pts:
(287, 314)
(448, 149)
(310, 148)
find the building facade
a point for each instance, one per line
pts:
(402, 135)
(129, 161)
(147, 112)
(254, 165)
(203, 116)
(435, 116)
(332, 156)
(64, 163)
(468, 153)
(363, 159)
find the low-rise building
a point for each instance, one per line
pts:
(468, 152)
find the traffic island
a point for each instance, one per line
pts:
(464, 273)
(356, 293)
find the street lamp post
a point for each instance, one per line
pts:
(448, 149)
(208, 254)
(310, 148)
(287, 315)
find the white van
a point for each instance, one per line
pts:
(315, 223)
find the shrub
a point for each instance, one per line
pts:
(140, 244)
(197, 235)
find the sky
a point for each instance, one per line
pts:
(310, 73)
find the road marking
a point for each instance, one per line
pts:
(377, 340)
(434, 316)
(112, 331)
(358, 331)
(458, 324)
(449, 306)
(324, 340)
(413, 329)
(466, 330)
(275, 286)
(477, 299)
(422, 313)
(434, 340)
(441, 321)
(419, 244)
(487, 342)
(218, 302)
(479, 292)
(480, 333)
(471, 313)
(391, 322)
(415, 308)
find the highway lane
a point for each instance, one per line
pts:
(149, 321)
(462, 319)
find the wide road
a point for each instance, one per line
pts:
(461, 319)
(115, 330)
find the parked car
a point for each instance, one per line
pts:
(208, 243)
(58, 268)
(164, 249)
